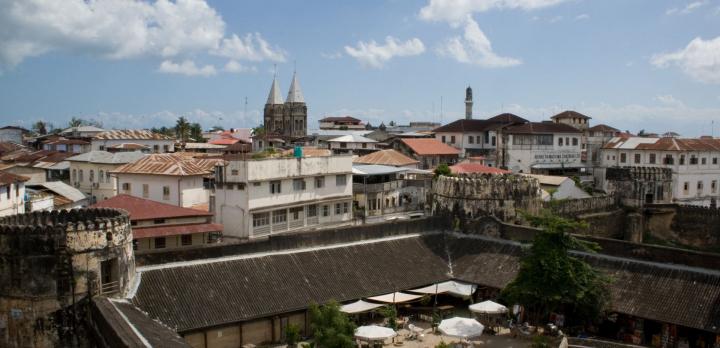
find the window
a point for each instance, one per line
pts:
(699, 187)
(346, 207)
(320, 182)
(234, 172)
(470, 139)
(340, 180)
(107, 177)
(261, 219)
(166, 148)
(166, 192)
(452, 139)
(343, 145)
(160, 243)
(715, 160)
(713, 186)
(101, 176)
(186, 239)
(669, 159)
(257, 184)
(493, 141)
(560, 141)
(312, 210)
(682, 160)
(126, 186)
(92, 175)
(703, 160)
(146, 190)
(296, 213)
(638, 157)
(623, 158)
(364, 145)
(275, 186)
(693, 159)
(279, 216)
(326, 210)
(298, 184)
(159, 221)
(156, 148)
(80, 175)
(575, 142)
(338, 208)
(487, 137)
(477, 139)
(651, 158)
(443, 139)
(686, 187)
(74, 175)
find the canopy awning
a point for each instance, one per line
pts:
(397, 297)
(449, 287)
(374, 333)
(359, 306)
(464, 328)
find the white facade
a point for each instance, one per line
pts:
(478, 141)
(94, 179)
(12, 198)
(558, 187)
(11, 134)
(154, 145)
(695, 173)
(542, 152)
(255, 198)
(183, 191)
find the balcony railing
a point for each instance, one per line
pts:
(389, 186)
(109, 288)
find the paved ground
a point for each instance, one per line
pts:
(430, 340)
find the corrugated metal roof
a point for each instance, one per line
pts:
(131, 134)
(175, 230)
(180, 164)
(386, 157)
(145, 209)
(429, 146)
(352, 138)
(9, 178)
(108, 157)
(375, 169)
(62, 189)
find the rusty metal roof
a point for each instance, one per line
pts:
(178, 164)
(131, 134)
(386, 157)
(145, 209)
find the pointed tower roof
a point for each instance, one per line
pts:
(274, 97)
(295, 94)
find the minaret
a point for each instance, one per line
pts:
(468, 103)
(273, 113)
(295, 115)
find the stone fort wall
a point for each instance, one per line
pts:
(51, 264)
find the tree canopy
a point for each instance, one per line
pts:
(442, 169)
(552, 280)
(331, 327)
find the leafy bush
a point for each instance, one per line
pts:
(292, 334)
(331, 327)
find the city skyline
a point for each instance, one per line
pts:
(652, 65)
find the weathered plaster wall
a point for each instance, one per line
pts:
(693, 226)
(50, 266)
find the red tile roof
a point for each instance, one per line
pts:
(429, 146)
(603, 128)
(225, 140)
(145, 209)
(476, 168)
(175, 230)
(570, 114)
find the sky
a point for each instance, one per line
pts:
(639, 64)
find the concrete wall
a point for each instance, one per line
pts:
(185, 191)
(522, 158)
(101, 187)
(14, 202)
(692, 226)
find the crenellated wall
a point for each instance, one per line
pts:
(637, 186)
(51, 263)
(694, 226)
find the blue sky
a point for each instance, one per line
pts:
(640, 64)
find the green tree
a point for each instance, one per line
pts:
(292, 335)
(40, 127)
(552, 280)
(442, 169)
(182, 129)
(217, 128)
(258, 131)
(331, 327)
(196, 133)
(77, 122)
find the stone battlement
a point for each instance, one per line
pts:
(639, 173)
(65, 221)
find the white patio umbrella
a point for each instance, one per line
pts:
(458, 327)
(374, 333)
(488, 307)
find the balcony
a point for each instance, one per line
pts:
(389, 186)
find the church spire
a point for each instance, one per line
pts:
(274, 97)
(295, 94)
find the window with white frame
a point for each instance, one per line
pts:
(279, 216)
(320, 182)
(275, 186)
(298, 184)
(312, 210)
(341, 180)
(261, 219)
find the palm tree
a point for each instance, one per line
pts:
(40, 127)
(182, 129)
(75, 122)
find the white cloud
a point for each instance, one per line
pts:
(187, 68)
(475, 48)
(581, 17)
(689, 8)
(374, 55)
(234, 66)
(669, 100)
(112, 29)
(455, 11)
(555, 19)
(252, 47)
(700, 59)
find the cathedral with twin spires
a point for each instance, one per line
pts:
(288, 118)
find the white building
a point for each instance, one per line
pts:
(12, 194)
(12, 134)
(354, 144)
(558, 187)
(177, 179)
(381, 192)
(695, 163)
(475, 137)
(90, 172)
(119, 139)
(541, 148)
(82, 132)
(259, 197)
